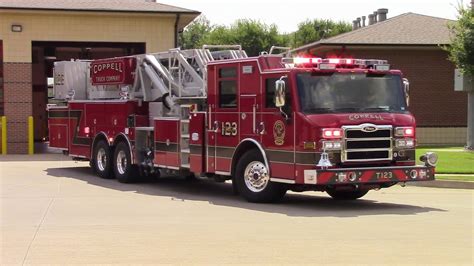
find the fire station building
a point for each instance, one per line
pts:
(36, 33)
(412, 43)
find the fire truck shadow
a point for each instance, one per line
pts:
(294, 204)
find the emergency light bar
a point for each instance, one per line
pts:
(333, 63)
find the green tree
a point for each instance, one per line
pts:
(194, 34)
(254, 36)
(314, 30)
(461, 49)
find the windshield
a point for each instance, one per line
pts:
(350, 92)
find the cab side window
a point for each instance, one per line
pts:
(270, 93)
(227, 83)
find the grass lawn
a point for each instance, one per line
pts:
(452, 160)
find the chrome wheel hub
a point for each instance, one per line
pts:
(121, 162)
(101, 159)
(256, 176)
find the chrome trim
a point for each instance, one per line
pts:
(77, 156)
(281, 180)
(345, 151)
(222, 173)
(375, 168)
(368, 139)
(166, 166)
(262, 151)
(95, 140)
(132, 159)
(372, 149)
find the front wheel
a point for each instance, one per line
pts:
(253, 179)
(347, 195)
(124, 171)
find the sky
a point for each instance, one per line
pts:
(287, 14)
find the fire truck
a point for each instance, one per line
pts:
(269, 123)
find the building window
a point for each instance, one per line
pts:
(228, 87)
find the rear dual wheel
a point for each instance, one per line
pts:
(124, 170)
(101, 160)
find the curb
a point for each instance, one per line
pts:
(443, 184)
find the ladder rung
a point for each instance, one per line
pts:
(185, 121)
(185, 150)
(185, 136)
(185, 165)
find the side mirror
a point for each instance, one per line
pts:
(406, 87)
(280, 92)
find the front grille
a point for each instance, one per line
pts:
(360, 145)
(358, 134)
(365, 155)
(367, 144)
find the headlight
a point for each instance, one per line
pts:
(430, 159)
(404, 143)
(331, 145)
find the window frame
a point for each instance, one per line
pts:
(234, 79)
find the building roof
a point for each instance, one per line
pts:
(405, 29)
(144, 6)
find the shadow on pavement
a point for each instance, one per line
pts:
(177, 188)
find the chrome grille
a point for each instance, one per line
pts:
(362, 145)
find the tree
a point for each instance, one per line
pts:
(194, 34)
(461, 53)
(314, 30)
(254, 36)
(461, 49)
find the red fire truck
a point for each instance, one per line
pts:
(268, 123)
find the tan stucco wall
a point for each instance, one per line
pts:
(156, 30)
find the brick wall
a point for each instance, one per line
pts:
(433, 100)
(18, 105)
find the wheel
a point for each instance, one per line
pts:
(124, 171)
(253, 180)
(101, 162)
(346, 194)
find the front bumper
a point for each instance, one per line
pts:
(373, 175)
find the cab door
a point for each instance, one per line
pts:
(249, 101)
(277, 131)
(226, 118)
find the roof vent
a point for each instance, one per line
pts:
(371, 19)
(382, 12)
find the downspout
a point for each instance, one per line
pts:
(176, 30)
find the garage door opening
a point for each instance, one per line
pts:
(44, 54)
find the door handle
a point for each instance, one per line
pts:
(215, 128)
(261, 128)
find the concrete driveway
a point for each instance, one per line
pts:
(55, 211)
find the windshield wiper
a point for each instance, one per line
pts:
(380, 108)
(348, 109)
(320, 110)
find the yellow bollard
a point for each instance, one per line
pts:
(31, 141)
(4, 135)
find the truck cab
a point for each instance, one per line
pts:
(336, 125)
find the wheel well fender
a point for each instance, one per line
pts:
(244, 146)
(100, 136)
(121, 137)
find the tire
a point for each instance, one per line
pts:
(259, 189)
(124, 171)
(101, 160)
(346, 195)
